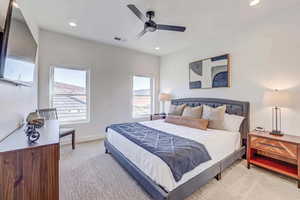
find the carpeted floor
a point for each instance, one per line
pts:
(88, 174)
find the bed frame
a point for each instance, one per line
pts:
(186, 189)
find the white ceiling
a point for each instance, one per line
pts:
(102, 20)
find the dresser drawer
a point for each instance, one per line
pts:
(280, 148)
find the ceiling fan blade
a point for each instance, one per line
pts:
(137, 12)
(170, 28)
(141, 33)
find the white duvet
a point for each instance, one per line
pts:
(218, 143)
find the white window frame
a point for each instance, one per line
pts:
(51, 91)
(152, 106)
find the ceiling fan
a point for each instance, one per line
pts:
(150, 25)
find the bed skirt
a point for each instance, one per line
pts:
(184, 190)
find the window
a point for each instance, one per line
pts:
(69, 94)
(142, 96)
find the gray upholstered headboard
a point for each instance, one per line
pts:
(233, 107)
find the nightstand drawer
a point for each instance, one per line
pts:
(280, 148)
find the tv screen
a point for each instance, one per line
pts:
(18, 52)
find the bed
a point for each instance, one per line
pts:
(155, 176)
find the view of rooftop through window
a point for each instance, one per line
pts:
(142, 96)
(69, 94)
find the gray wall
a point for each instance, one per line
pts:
(16, 102)
(111, 70)
(264, 56)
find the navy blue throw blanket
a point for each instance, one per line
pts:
(180, 154)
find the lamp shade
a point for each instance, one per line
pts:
(164, 97)
(277, 98)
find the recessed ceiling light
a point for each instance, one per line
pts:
(15, 4)
(72, 24)
(254, 2)
(157, 48)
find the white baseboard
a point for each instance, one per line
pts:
(83, 139)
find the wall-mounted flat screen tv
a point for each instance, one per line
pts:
(18, 49)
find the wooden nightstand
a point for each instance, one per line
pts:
(157, 116)
(277, 153)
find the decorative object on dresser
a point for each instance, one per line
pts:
(276, 99)
(35, 119)
(51, 114)
(210, 73)
(163, 97)
(279, 154)
(30, 171)
(158, 116)
(32, 134)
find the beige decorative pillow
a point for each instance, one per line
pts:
(215, 116)
(176, 110)
(188, 121)
(194, 112)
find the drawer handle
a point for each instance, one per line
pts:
(270, 145)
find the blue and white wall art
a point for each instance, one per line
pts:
(210, 73)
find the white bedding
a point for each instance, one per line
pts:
(218, 143)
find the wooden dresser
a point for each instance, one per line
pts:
(277, 153)
(30, 171)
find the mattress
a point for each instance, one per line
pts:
(219, 144)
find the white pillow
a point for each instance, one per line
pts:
(232, 122)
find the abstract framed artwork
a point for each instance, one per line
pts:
(210, 73)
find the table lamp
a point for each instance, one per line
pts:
(163, 97)
(276, 99)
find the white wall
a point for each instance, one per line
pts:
(16, 102)
(111, 70)
(264, 55)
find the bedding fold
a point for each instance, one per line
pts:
(180, 154)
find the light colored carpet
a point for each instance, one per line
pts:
(88, 174)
